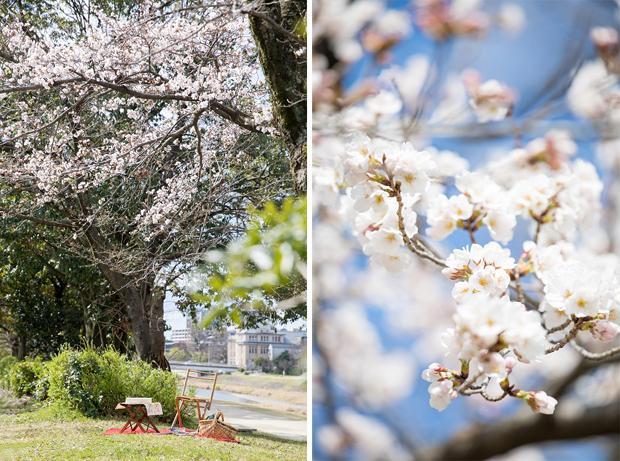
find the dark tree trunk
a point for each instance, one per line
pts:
(120, 329)
(14, 345)
(145, 309)
(21, 347)
(274, 24)
(144, 304)
(157, 326)
(147, 324)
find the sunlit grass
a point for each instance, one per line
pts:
(53, 433)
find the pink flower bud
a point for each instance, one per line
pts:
(604, 330)
(540, 402)
(433, 372)
(510, 363)
(606, 42)
(604, 36)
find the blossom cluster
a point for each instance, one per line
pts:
(396, 197)
(577, 284)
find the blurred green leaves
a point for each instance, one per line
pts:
(262, 276)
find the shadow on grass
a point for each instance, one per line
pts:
(11, 405)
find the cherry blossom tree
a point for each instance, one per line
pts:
(143, 131)
(535, 287)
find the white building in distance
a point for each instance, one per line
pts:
(181, 335)
(245, 346)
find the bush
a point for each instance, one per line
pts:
(93, 382)
(75, 379)
(24, 376)
(160, 385)
(6, 363)
(263, 364)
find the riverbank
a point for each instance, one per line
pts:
(279, 393)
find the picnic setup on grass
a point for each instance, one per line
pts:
(141, 411)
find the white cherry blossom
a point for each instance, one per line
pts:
(441, 394)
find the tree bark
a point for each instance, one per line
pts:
(483, 441)
(273, 24)
(145, 308)
(21, 347)
(157, 326)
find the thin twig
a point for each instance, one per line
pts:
(558, 327)
(557, 345)
(468, 382)
(409, 243)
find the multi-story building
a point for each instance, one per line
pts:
(181, 335)
(245, 346)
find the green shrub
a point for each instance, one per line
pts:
(41, 387)
(6, 363)
(74, 379)
(93, 382)
(160, 385)
(25, 375)
(176, 353)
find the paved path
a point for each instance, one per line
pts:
(245, 412)
(267, 421)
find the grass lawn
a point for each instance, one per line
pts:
(49, 434)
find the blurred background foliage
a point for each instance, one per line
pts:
(262, 276)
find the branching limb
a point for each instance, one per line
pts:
(560, 343)
(595, 355)
(468, 383)
(39, 220)
(229, 113)
(483, 441)
(27, 88)
(277, 27)
(415, 246)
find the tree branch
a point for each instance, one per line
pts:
(483, 441)
(24, 89)
(595, 355)
(226, 112)
(38, 220)
(277, 27)
(559, 386)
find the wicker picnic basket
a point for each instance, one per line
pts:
(216, 428)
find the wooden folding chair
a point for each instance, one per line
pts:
(201, 404)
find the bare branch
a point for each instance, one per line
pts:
(595, 355)
(483, 441)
